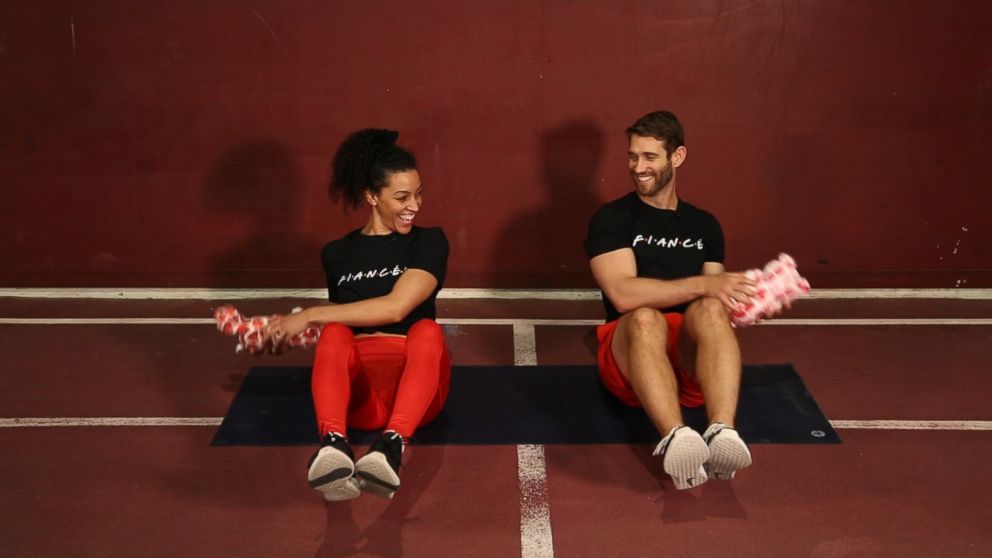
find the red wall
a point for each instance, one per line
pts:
(187, 143)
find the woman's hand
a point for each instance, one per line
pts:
(282, 327)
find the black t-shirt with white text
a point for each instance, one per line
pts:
(360, 267)
(667, 244)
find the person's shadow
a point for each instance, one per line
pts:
(256, 193)
(552, 235)
(344, 537)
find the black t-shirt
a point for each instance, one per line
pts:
(668, 244)
(359, 267)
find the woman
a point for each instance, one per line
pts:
(381, 361)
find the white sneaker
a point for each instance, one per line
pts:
(683, 453)
(728, 452)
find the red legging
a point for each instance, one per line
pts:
(378, 382)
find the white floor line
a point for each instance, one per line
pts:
(450, 294)
(912, 424)
(27, 422)
(106, 321)
(535, 513)
(876, 321)
(519, 321)
(523, 321)
(524, 345)
(41, 422)
(253, 294)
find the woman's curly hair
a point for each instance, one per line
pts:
(364, 162)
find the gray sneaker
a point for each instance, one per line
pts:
(728, 452)
(683, 453)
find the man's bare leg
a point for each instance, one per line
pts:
(708, 348)
(640, 350)
(639, 347)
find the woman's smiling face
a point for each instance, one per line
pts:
(395, 206)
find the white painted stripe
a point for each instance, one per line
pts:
(878, 321)
(524, 345)
(106, 321)
(453, 293)
(518, 321)
(164, 294)
(109, 421)
(912, 424)
(520, 294)
(28, 422)
(521, 321)
(318, 294)
(963, 294)
(535, 513)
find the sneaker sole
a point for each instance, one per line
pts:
(684, 461)
(332, 473)
(380, 479)
(727, 456)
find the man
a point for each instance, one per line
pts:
(667, 339)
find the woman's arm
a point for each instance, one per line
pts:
(412, 288)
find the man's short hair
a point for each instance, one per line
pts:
(662, 126)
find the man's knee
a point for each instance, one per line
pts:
(647, 322)
(707, 308)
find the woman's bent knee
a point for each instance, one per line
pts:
(333, 336)
(426, 328)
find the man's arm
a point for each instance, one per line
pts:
(616, 273)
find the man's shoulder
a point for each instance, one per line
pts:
(623, 205)
(625, 201)
(687, 209)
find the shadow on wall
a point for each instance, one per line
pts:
(555, 230)
(255, 195)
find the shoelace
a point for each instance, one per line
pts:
(716, 431)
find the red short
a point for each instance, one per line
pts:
(689, 393)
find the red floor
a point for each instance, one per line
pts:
(164, 491)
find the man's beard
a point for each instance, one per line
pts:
(661, 181)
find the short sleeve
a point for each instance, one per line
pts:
(430, 253)
(326, 259)
(715, 247)
(608, 231)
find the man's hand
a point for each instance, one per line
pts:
(776, 286)
(730, 289)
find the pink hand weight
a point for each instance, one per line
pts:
(778, 284)
(249, 330)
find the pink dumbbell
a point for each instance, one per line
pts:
(249, 330)
(777, 285)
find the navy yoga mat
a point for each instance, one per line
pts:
(527, 405)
